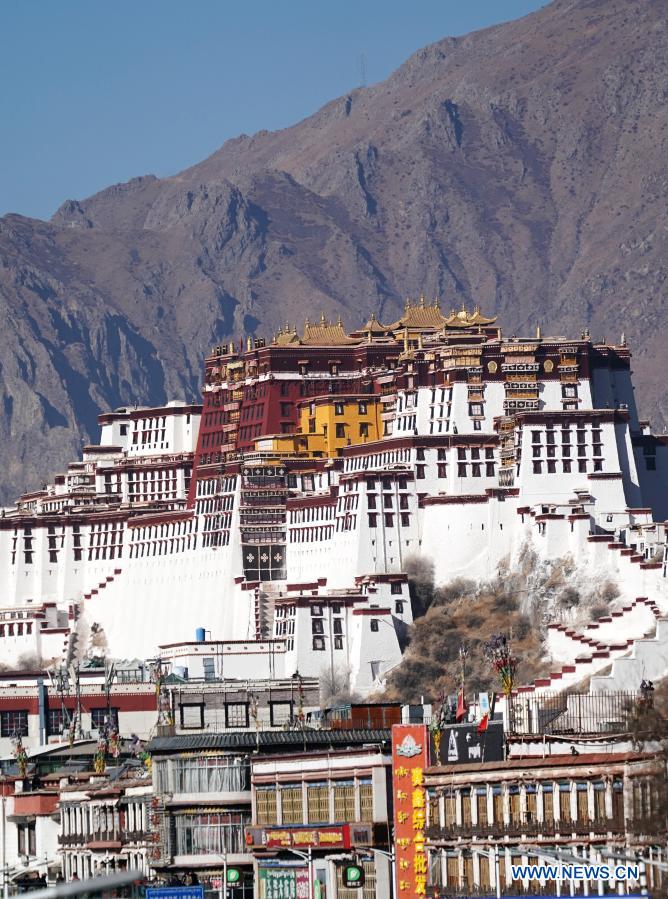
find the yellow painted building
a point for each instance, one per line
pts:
(327, 424)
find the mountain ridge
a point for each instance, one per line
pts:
(519, 167)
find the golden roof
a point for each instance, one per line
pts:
(374, 326)
(420, 316)
(466, 319)
(326, 333)
(286, 336)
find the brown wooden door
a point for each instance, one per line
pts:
(483, 879)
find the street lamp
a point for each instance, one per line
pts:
(393, 865)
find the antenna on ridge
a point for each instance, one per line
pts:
(363, 70)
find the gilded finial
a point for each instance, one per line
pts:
(323, 320)
(422, 300)
(339, 321)
(538, 332)
(623, 339)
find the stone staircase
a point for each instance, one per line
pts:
(103, 584)
(619, 628)
(648, 660)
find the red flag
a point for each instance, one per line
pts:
(484, 721)
(461, 705)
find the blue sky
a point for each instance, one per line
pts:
(93, 92)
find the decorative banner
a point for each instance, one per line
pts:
(464, 744)
(409, 759)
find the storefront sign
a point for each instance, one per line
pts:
(196, 892)
(409, 759)
(283, 883)
(462, 744)
(342, 836)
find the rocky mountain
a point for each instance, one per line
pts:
(522, 167)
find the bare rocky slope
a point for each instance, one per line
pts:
(522, 168)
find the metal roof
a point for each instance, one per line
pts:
(268, 740)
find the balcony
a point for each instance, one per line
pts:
(524, 405)
(520, 366)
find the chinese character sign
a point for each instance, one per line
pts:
(409, 759)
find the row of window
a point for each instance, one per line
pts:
(566, 466)
(388, 519)
(345, 801)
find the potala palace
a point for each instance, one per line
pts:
(275, 519)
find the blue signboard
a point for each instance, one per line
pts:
(196, 892)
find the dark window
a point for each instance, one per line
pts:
(420, 455)
(403, 501)
(371, 484)
(419, 472)
(336, 608)
(374, 625)
(338, 642)
(405, 519)
(14, 723)
(124, 430)
(387, 500)
(441, 455)
(371, 501)
(489, 469)
(54, 722)
(537, 467)
(338, 625)
(566, 451)
(364, 429)
(26, 839)
(373, 519)
(396, 588)
(598, 465)
(582, 465)
(475, 452)
(286, 409)
(399, 607)
(566, 465)
(535, 436)
(477, 424)
(338, 408)
(461, 453)
(340, 430)
(389, 520)
(100, 717)
(461, 469)
(317, 626)
(536, 450)
(362, 408)
(551, 466)
(236, 714)
(316, 610)
(319, 643)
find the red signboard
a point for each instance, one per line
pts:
(341, 836)
(409, 759)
